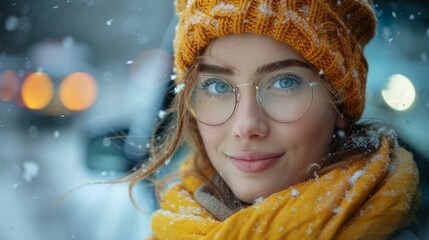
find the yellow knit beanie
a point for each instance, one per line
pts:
(330, 34)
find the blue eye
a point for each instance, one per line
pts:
(216, 86)
(287, 81)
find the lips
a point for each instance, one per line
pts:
(254, 162)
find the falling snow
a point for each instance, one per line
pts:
(12, 23)
(336, 210)
(56, 134)
(355, 177)
(162, 114)
(258, 200)
(341, 133)
(167, 162)
(179, 88)
(265, 9)
(223, 8)
(181, 216)
(107, 142)
(294, 193)
(31, 170)
(109, 22)
(371, 137)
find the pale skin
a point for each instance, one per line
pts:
(249, 134)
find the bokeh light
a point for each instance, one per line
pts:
(37, 91)
(399, 93)
(9, 85)
(78, 91)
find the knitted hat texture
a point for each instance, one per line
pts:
(329, 34)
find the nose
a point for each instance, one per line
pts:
(249, 120)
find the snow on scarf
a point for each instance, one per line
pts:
(367, 199)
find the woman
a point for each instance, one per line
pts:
(268, 95)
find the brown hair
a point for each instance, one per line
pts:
(175, 129)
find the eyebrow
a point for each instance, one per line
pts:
(214, 69)
(271, 67)
(264, 69)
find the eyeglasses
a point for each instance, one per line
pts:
(285, 98)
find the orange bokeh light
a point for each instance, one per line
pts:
(78, 91)
(37, 91)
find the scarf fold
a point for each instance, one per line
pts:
(220, 207)
(366, 199)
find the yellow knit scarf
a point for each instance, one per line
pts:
(366, 199)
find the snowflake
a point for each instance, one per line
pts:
(355, 177)
(258, 200)
(294, 193)
(179, 88)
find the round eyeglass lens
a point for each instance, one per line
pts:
(212, 101)
(285, 98)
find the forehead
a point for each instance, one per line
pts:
(247, 51)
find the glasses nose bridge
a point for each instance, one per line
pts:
(245, 85)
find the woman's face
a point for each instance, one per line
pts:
(256, 155)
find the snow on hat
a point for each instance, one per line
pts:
(330, 34)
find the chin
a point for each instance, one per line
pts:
(251, 191)
(251, 196)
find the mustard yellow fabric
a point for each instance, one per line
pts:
(366, 199)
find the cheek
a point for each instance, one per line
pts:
(211, 136)
(326, 123)
(313, 133)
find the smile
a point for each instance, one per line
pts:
(254, 162)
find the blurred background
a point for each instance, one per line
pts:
(83, 82)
